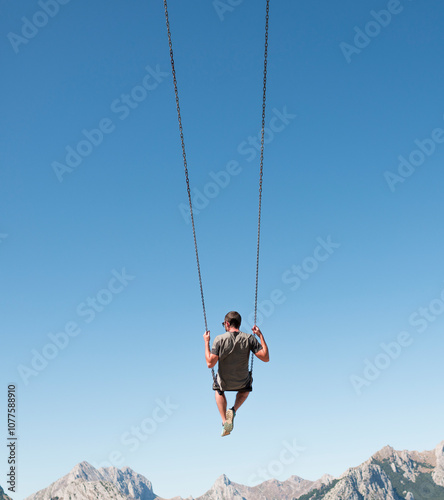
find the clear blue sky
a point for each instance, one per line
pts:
(101, 248)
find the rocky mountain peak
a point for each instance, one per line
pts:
(84, 482)
(326, 479)
(128, 482)
(84, 471)
(385, 453)
(222, 480)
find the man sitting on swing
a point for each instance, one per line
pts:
(232, 351)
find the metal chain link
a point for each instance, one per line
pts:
(267, 17)
(185, 161)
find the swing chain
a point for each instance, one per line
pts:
(176, 92)
(267, 16)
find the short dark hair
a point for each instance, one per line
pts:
(234, 319)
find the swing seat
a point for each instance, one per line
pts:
(247, 388)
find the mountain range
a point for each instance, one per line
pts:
(387, 475)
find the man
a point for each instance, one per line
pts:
(232, 351)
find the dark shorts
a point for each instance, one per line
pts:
(247, 388)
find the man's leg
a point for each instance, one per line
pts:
(221, 402)
(240, 399)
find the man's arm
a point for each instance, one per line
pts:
(210, 358)
(262, 354)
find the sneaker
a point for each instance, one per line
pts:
(225, 432)
(229, 424)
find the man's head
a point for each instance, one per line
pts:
(232, 319)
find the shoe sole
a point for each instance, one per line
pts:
(229, 422)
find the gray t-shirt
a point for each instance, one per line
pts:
(233, 349)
